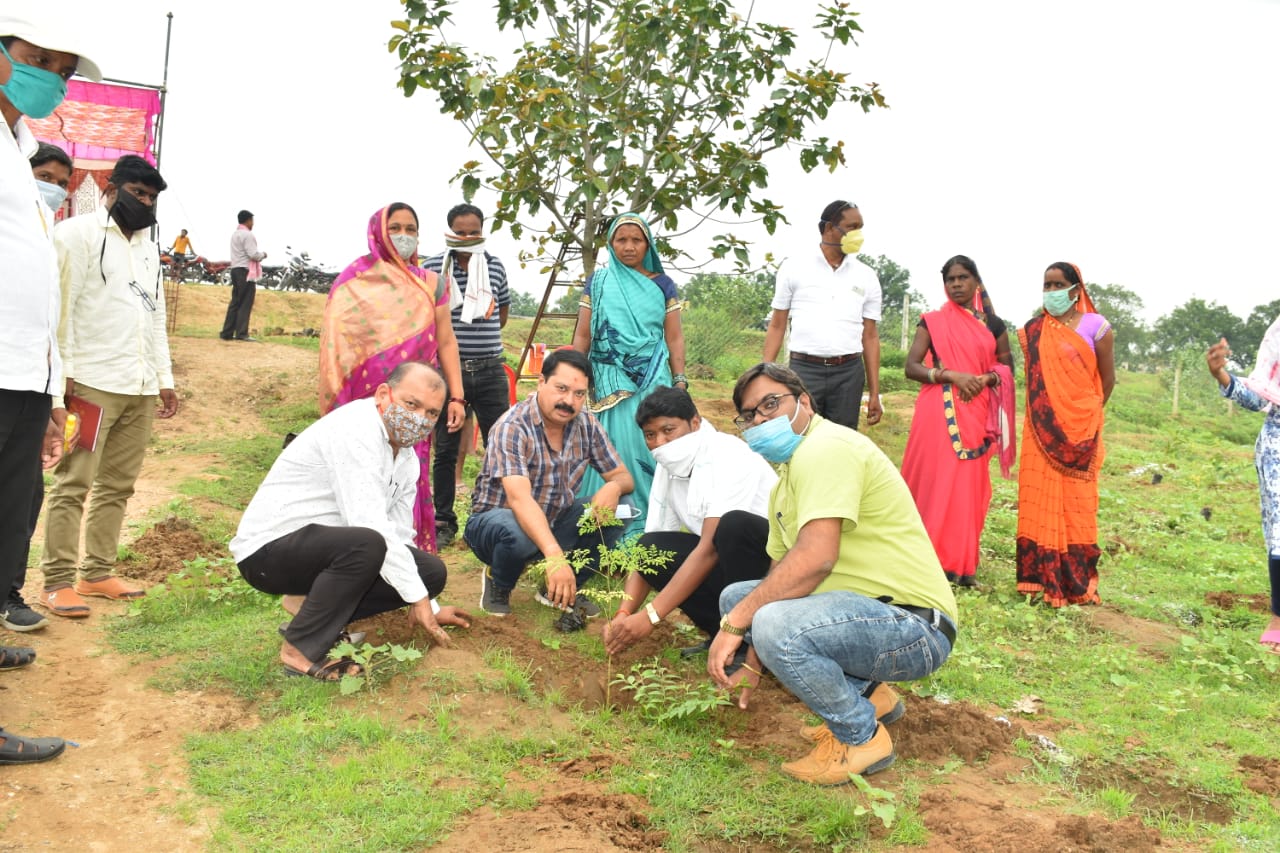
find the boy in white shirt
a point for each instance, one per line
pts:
(708, 504)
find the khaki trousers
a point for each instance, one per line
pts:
(111, 471)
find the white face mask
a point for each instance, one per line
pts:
(52, 194)
(678, 455)
(406, 244)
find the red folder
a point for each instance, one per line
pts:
(90, 415)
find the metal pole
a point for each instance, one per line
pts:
(164, 88)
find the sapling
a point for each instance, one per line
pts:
(619, 561)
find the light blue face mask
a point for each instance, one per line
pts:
(52, 194)
(1059, 302)
(775, 439)
(33, 92)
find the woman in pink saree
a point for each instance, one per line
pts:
(382, 310)
(964, 416)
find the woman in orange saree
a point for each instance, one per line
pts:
(963, 417)
(1070, 367)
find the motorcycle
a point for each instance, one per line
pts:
(299, 273)
(196, 268)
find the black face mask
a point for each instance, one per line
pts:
(131, 214)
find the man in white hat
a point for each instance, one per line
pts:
(37, 56)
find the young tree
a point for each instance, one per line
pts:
(663, 107)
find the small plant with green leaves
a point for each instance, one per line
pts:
(882, 802)
(374, 660)
(661, 695)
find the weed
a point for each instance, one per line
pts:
(376, 661)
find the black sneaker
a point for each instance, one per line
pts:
(570, 621)
(588, 608)
(494, 601)
(445, 536)
(17, 616)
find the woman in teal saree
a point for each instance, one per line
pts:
(629, 327)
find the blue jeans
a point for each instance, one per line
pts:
(496, 539)
(827, 648)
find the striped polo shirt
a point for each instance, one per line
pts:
(483, 338)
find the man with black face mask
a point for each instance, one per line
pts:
(115, 355)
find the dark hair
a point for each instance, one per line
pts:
(831, 214)
(776, 372)
(49, 153)
(243, 216)
(401, 370)
(1068, 271)
(184, 231)
(566, 355)
(666, 402)
(131, 168)
(964, 261)
(397, 206)
(463, 210)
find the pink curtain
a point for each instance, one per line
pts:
(102, 121)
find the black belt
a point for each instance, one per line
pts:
(471, 365)
(934, 617)
(826, 360)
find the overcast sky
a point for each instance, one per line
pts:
(1133, 137)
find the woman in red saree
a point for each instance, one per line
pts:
(382, 310)
(1070, 366)
(964, 415)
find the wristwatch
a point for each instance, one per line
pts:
(729, 628)
(654, 618)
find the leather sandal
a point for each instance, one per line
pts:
(16, 749)
(328, 671)
(16, 657)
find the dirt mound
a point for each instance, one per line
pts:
(1255, 602)
(1262, 775)
(163, 549)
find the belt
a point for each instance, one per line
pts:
(471, 365)
(935, 618)
(827, 360)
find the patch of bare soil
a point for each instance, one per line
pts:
(1262, 775)
(1149, 637)
(163, 549)
(1255, 602)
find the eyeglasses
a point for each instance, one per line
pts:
(767, 406)
(147, 301)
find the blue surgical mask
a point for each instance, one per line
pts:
(33, 91)
(774, 439)
(1059, 302)
(52, 194)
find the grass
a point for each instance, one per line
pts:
(1176, 704)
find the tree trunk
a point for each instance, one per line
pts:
(906, 318)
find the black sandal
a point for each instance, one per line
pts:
(324, 670)
(16, 749)
(16, 657)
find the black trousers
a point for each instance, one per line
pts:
(487, 393)
(739, 542)
(836, 390)
(241, 306)
(24, 415)
(337, 569)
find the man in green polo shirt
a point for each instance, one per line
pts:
(855, 597)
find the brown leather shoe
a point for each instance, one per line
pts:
(834, 763)
(109, 587)
(889, 709)
(64, 602)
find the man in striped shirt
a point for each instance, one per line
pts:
(478, 318)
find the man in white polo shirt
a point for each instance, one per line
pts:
(832, 301)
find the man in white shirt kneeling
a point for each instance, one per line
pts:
(707, 507)
(331, 526)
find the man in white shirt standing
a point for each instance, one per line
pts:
(331, 526)
(37, 57)
(244, 258)
(832, 300)
(707, 508)
(115, 353)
